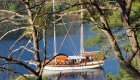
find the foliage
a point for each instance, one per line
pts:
(113, 19)
(122, 75)
(98, 57)
(27, 35)
(12, 6)
(135, 17)
(98, 39)
(115, 23)
(135, 63)
(30, 78)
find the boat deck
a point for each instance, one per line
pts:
(68, 64)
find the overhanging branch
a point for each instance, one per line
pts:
(13, 72)
(14, 13)
(13, 30)
(19, 63)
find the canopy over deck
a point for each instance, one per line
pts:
(92, 53)
(76, 57)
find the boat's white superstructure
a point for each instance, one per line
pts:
(62, 62)
(88, 65)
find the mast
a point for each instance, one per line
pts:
(54, 28)
(81, 33)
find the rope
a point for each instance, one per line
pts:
(66, 33)
(72, 44)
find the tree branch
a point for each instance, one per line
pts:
(25, 47)
(13, 30)
(19, 39)
(19, 63)
(13, 72)
(4, 19)
(12, 12)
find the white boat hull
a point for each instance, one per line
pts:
(88, 65)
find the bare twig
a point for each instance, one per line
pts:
(19, 63)
(4, 19)
(15, 13)
(25, 47)
(19, 39)
(13, 72)
(13, 30)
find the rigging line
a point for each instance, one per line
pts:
(69, 49)
(64, 38)
(73, 45)
(71, 39)
(67, 41)
(66, 35)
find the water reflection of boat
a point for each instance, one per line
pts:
(86, 74)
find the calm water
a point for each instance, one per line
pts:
(87, 74)
(110, 66)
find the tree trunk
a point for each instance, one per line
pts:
(137, 58)
(124, 65)
(35, 42)
(107, 31)
(36, 49)
(125, 12)
(130, 70)
(39, 77)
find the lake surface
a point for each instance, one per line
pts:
(110, 66)
(86, 74)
